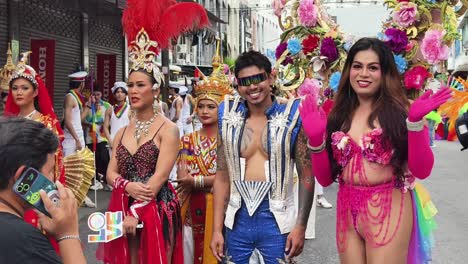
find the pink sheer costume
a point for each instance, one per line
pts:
(359, 199)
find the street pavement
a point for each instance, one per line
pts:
(447, 185)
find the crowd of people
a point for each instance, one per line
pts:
(224, 174)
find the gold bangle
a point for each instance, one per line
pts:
(317, 149)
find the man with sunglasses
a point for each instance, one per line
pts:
(259, 142)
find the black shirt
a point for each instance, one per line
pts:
(22, 243)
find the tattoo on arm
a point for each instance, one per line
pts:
(306, 179)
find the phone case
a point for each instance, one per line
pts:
(29, 185)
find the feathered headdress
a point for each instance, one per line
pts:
(151, 24)
(217, 85)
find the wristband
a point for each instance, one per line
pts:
(317, 149)
(415, 126)
(77, 237)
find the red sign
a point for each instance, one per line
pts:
(106, 71)
(43, 61)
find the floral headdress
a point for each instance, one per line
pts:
(217, 85)
(151, 24)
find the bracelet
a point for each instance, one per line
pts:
(69, 237)
(199, 182)
(317, 149)
(415, 126)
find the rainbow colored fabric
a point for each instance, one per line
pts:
(422, 241)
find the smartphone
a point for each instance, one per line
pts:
(28, 186)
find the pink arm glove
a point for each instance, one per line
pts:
(420, 156)
(314, 122)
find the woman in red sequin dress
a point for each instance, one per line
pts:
(139, 173)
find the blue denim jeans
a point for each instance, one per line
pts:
(259, 231)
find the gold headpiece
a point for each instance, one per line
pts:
(141, 57)
(23, 70)
(217, 85)
(7, 71)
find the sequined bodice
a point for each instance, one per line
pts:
(371, 146)
(140, 166)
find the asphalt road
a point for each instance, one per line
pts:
(448, 186)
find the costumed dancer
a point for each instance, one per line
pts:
(258, 139)
(197, 168)
(28, 97)
(117, 116)
(375, 154)
(75, 110)
(137, 171)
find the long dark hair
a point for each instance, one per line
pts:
(390, 105)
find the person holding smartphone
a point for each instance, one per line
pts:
(34, 147)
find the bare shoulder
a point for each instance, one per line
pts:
(169, 128)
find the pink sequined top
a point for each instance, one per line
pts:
(372, 146)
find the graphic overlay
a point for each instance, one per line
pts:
(109, 226)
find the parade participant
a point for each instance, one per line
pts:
(258, 139)
(197, 168)
(118, 115)
(96, 139)
(375, 153)
(25, 143)
(75, 109)
(180, 112)
(147, 148)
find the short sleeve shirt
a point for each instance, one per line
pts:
(22, 243)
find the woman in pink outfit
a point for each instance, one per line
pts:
(375, 144)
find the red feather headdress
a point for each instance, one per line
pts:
(151, 24)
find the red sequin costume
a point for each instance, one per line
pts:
(161, 217)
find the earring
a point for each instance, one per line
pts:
(156, 107)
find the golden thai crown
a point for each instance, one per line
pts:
(217, 85)
(141, 57)
(23, 70)
(7, 71)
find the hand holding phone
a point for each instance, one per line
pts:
(28, 186)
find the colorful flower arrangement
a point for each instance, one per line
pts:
(311, 47)
(419, 33)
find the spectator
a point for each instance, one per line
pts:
(20, 242)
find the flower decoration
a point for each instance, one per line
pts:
(280, 49)
(327, 92)
(278, 6)
(318, 63)
(310, 87)
(396, 39)
(405, 14)
(328, 49)
(433, 48)
(415, 77)
(335, 81)
(294, 46)
(307, 13)
(310, 43)
(401, 63)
